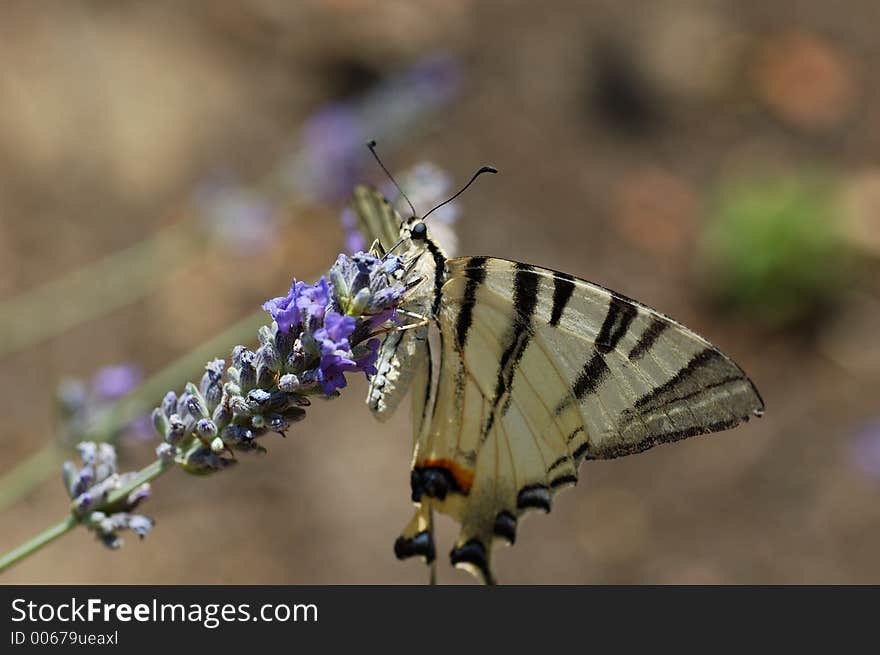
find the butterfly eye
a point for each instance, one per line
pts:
(419, 232)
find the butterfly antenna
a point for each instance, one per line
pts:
(372, 146)
(484, 169)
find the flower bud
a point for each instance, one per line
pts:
(69, 474)
(288, 382)
(137, 496)
(165, 452)
(247, 373)
(140, 525)
(160, 421)
(270, 357)
(211, 385)
(176, 430)
(205, 429)
(169, 403)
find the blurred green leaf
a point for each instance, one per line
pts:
(773, 248)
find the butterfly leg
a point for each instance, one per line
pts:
(421, 321)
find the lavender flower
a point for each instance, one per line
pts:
(331, 158)
(81, 404)
(354, 240)
(864, 449)
(89, 488)
(113, 382)
(332, 139)
(242, 218)
(320, 333)
(366, 285)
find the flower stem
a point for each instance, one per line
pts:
(49, 535)
(147, 474)
(121, 278)
(33, 545)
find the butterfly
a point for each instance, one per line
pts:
(537, 371)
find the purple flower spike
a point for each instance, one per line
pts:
(367, 361)
(284, 309)
(865, 449)
(239, 216)
(313, 300)
(354, 240)
(332, 139)
(438, 76)
(337, 329)
(301, 301)
(113, 382)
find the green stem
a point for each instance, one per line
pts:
(33, 545)
(29, 473)
(50, 534)
(110, 283)
(147, 474)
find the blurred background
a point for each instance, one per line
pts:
(166, 167)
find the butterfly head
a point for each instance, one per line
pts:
(418, 231)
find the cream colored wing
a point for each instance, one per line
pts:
(377, 219)
(539, 371)
(403, 355)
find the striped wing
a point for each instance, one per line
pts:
(377, 219)
(402, 354)
(539, 371)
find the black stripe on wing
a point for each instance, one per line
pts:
(619, 317)
(655, 328)
(439, 274)
(679, 386)
(525, 299)
(563, 287)
(475, 272)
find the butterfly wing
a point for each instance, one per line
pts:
(403, 356)
(540, 370)
(376, 218)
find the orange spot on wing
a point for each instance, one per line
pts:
(464, 477)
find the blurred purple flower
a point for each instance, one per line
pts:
(240, 217)
(332, 142)
(112, 382)
(865, 449)
(140, 429)
(354, 240)
(332, 154)
(438, 77)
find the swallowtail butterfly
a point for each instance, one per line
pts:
(537, 371)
